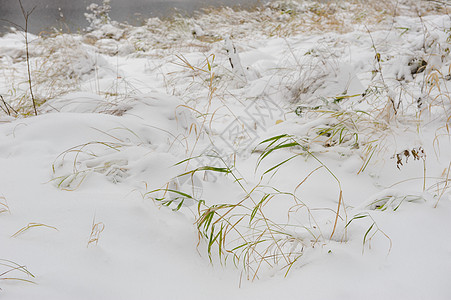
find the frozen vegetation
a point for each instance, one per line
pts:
(299, 150)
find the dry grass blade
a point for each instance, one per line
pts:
(12, 267)
(4, 207)
(96, 230)
(445, 187)
(32, 225)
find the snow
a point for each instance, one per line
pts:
(105, 194)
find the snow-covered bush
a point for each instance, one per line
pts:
(98, 15)
(100, 23)
(64, 63)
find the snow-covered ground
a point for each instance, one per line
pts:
(298, 151)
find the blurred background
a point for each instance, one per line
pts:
(68, 15)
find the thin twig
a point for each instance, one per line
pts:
(4, 103)
(26, 15)
(8, 107)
